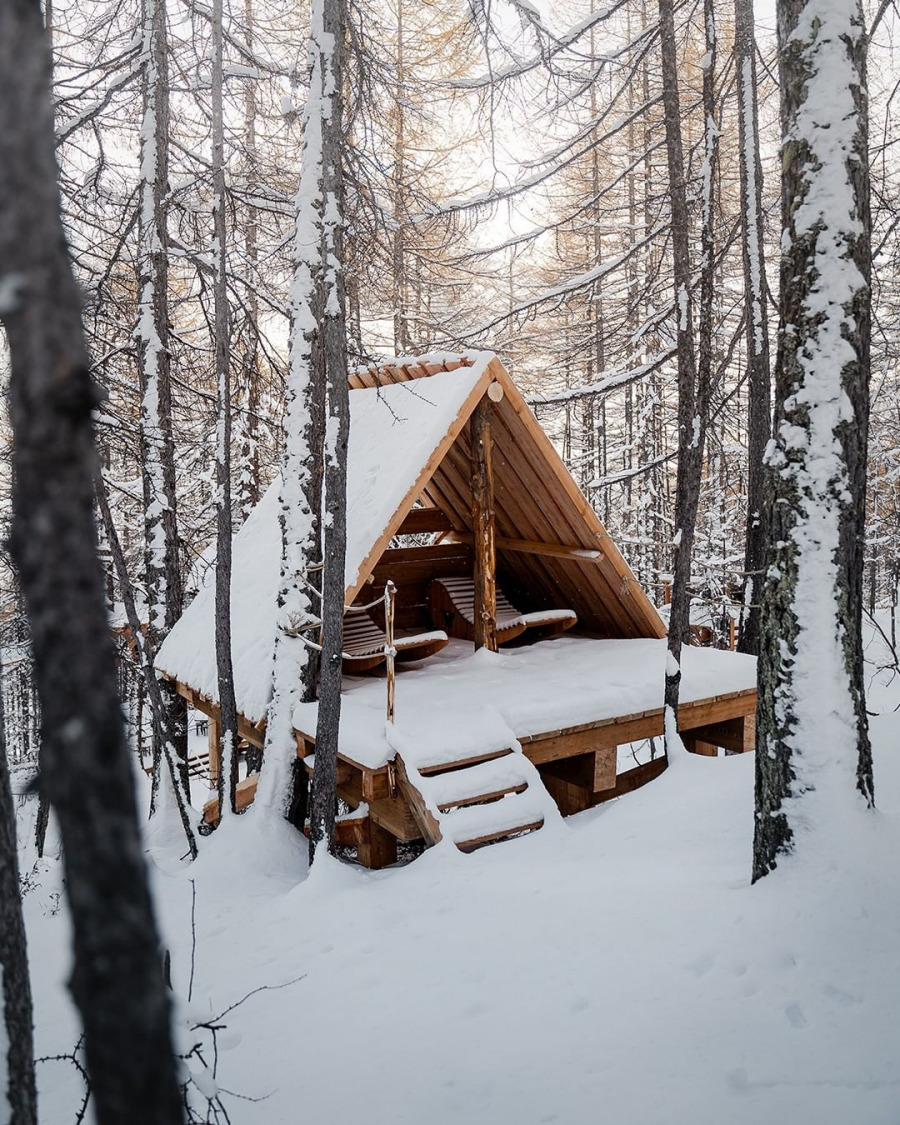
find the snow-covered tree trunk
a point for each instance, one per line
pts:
(690, 423)
(249, 476)
(328, 46)
(228, 774)
(756, 326)
(18, 1097)
(295, 665)
(86, 767)
(163, 571)
(813, 759)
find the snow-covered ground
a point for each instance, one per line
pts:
(614, 967)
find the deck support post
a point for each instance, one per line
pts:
(377, 848)
(215, 750)
(483, 528)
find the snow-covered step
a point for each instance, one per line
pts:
(474, 825)
(430, 769)
(484, 781)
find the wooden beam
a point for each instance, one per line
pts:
(421, 521)
(593, 771)
(244, 794)
(394, 815)
(737, 736)
(533, 547)
(425, 819)
(377, 847)
(483, 528)
(633, 779)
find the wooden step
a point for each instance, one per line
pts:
(478, 782)
(496, 837)
(462, 763)
(482, 798)
(474, 826)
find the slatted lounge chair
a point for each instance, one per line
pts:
(364, 644)
(451, 602)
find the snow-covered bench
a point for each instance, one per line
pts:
(451, 602)
(364, 644)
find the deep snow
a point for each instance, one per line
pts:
(614, 967)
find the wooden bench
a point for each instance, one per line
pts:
(451, 602)
(364, 643)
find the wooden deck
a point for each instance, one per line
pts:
(576, 765)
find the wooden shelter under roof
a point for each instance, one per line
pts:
(451, 476)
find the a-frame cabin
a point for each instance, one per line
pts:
(455, 493)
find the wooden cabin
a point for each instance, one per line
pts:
(459, 501)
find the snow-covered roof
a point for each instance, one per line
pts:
(394, 430)
(409, 440)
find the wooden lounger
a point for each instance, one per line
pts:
(451, 601)
(364, 644)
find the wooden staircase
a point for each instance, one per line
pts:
(473, 801)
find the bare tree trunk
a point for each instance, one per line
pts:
(228, 774)
(18, 1065)
(85, 764)
(690, 421)
(812, 732)
(759, 380)
(165, 595)
(327, 32)
(158, 712)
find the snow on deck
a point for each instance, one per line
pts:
(460, 695)
(394, 429)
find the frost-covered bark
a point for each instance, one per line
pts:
(18, 1097)
(327, 29)
(813, 748)
(691, 420)
(165, 595)
(249, 477)
(756, 326)
(86, 767)
(295, 665)
(228, 774)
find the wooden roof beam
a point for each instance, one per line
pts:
(532, 547)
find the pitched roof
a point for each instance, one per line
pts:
(409, 440)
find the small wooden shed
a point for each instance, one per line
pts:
(451, 476)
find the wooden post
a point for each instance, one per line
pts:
(390, 596)
(215, 751)
(483, 528)
(377, 848)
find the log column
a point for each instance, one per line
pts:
(483, 528)
(215, 750)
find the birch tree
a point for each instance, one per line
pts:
(813, 759)
(295, 666)
(84, 759)
(164, 580)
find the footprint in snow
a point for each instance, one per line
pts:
(795, 1015)
(702, 965)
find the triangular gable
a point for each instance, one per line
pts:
(552, 548)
